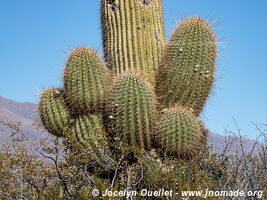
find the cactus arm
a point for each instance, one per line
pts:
(53, 112)
(186, 73)
(85, 80)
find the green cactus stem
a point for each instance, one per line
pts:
(179, 133)
(90, 133)
(131, 111)
(53, 112)
(186, 73)
(133, 35)
(85, 80)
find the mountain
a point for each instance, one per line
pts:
(26, 110)
(233, 144)
(25, 113)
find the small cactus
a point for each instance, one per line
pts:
(179, 133)
(131, 111)
(90, 133)
(85, 80)
(53, 112)
(186, 73)
(133, 35)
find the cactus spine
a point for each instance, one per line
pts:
(131, 110)
(186, 72)
(133, 35)
(90, 133)
(179, 133)
(53, 111)
(85, 80)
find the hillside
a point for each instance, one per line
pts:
(23, 113)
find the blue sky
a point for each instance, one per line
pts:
(36, 37)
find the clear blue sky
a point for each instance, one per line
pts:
(36, 37)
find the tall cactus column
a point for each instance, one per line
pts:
(133, 35)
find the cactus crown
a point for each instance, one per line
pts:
(187, 69)
(179, 133)
(85, 81)
(131, 110)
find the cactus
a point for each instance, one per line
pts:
(85, 80)
(133, 35)
(90, 133)
(53, 112)
(186, 71)
(179, 133)
(128, 127)
(131, 110)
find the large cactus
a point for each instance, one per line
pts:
(133, 35)
(131, 111)
(179, 133)
(186, 72)
(85, 80)
(53, 112)
(134, 49)
(90, 133)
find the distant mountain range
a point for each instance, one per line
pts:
(25, 113)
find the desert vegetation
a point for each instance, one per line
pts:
(57, 169)
(131, 121)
